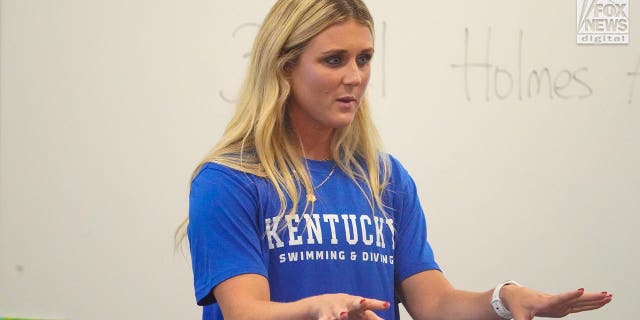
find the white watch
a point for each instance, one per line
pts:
(496, 303)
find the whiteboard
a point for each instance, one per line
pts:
(107, 106)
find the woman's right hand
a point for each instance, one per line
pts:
(341, 306)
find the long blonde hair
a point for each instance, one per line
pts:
(258, 141)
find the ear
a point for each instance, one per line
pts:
(287, 69)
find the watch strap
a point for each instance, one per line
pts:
(496, 303)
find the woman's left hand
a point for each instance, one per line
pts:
(525, 303)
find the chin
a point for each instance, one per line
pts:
(341, 123)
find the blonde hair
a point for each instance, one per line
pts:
(258, 141)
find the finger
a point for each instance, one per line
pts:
(602, 300)
(587, 296)
(595, 300)
(589, 299)
(590, 307)
(373, 304)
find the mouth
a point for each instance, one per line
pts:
(347, 99)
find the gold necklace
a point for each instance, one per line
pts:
(312, 197)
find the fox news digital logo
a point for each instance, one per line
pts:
(603, 21)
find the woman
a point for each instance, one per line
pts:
(298, 214)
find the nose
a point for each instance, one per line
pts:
(353, 74)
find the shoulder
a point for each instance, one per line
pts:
(215, 178)
(400, 188)
(398, 174)
(213, 171)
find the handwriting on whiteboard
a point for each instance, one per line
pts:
(500, 82)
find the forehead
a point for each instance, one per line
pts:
(349, 35)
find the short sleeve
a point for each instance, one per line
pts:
(413, 252)
(223, 229)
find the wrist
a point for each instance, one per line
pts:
(506, 293)
(299, 309)
(306, 307)
(311, 307)
(500, 299)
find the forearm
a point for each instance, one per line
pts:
(269, 310)
(429, 295)
(246, 297)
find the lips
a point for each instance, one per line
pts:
(347, 103)
(347, 99)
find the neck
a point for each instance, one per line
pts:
(315, 143)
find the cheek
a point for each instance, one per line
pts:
(320, 80)
(365, 77)
(308, 81)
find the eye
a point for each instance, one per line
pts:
(333, 61)
(363, 59)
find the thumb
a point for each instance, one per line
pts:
(521, 314)
(566, 297)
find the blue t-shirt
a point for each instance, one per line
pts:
(338, 246)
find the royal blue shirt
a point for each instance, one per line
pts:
(338, 246)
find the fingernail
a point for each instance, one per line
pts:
(386, 304)
(603, 292)
(362, 301)
(343, 313)
(610, 296)
(581, 289)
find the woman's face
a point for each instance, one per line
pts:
(329, 80)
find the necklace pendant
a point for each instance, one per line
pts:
(311, 198)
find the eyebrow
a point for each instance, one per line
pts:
(343, 51)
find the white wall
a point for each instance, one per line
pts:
(106, 106)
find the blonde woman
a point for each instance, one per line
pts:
(298, 214)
